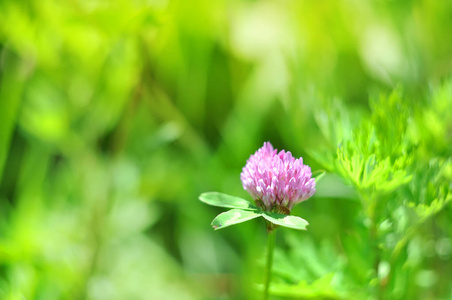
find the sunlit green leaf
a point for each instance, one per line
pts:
(320, 288)
(223, 200)
(293, 222)
(234, 216)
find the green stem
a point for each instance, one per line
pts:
(268, 268)
(372, 214)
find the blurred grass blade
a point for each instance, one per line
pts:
(223, 200)
(11, 87)
(234, 216)
(286, 221)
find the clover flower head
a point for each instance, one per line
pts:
(277, 181)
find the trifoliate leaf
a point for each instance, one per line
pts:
(234, 216)
(286, 221)
(223, 200)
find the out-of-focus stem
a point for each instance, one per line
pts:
(268, 268)
(372, 213)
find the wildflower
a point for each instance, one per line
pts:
(277, 181)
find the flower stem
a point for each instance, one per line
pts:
(268, 268)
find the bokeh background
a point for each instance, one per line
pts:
(116, 115)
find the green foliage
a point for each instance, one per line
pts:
(376, 155)
(223, 200)
(10, 94)
(430, 190)
(293, 222)
(320, 288)
(400, 186)
(243, 210)
(318, 175)
(234, 216)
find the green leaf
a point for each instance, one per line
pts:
(317, 175)
(286, 221)
(223, 200)
(234, 216)
(322, 288)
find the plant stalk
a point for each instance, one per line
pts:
(268, 268)
(372, 213)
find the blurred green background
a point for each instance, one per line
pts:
(116, 115)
